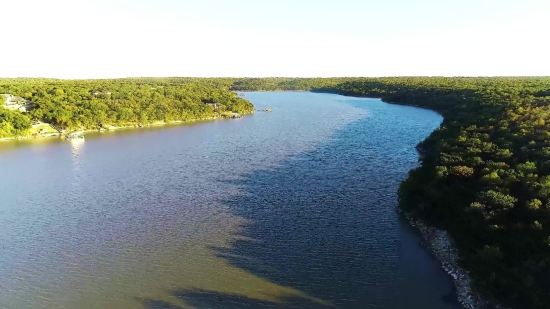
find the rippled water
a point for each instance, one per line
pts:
(290, 209)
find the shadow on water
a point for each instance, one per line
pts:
(323, 222)
(200, 299)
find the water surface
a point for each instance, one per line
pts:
(293, 208)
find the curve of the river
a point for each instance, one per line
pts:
(290, 209)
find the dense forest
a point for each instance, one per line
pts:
(93, 104)
(285, 84)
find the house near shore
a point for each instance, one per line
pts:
(7, 97)
(216, 106)
(98, 92)
(15, 102)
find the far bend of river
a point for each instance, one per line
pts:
(290, 209)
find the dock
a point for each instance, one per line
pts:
(267, 110)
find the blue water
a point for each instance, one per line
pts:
(293, 208)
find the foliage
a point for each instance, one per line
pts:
(284, 84)
(13, 123)
(91, 104)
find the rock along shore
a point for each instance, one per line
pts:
(440, 244)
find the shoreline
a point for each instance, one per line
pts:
(113, 128)
(438, 242)
(441, 245)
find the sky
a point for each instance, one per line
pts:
(78, 39)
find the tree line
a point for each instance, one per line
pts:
(92, 104)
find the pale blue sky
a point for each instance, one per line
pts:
(119, 38)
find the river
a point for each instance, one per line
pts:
(290, 209)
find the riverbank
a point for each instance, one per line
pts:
(441, 245)
(112, 128)
(485, 137)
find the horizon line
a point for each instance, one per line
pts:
(290, 77)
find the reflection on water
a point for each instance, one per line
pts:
(77, 144)
(276, 210)
(77, 149)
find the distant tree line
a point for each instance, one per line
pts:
(284, 84)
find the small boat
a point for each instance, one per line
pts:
(74, 135)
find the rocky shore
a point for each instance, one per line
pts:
(440, 244)
(111, 128)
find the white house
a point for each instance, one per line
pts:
(7, 98)
(15, 103)
(96, 93)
